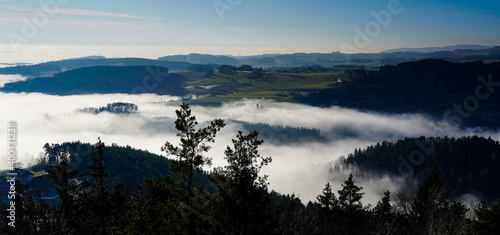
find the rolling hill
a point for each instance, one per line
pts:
(104, 80)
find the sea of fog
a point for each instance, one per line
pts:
(298, 168)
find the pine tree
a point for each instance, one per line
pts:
(384, 205)
(432, 210)
(101, 196)
(488, 219)
(328, 209)
(350, 196)
(327, 199)
(65, 180)
(431, 192)
(383, 216)
(352, 213)
(192, 147)
(242, 189)
(244, 168)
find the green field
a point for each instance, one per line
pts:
(276, 86)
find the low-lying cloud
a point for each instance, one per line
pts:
(298, 168)
(8, 78)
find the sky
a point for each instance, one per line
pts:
(36, 31)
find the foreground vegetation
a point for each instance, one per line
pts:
(236, 201)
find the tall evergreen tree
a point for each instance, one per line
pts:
(383, 216)
(488, 219)
(193, 145)
(242, 189)
(327, 200)
(101, 196)
(244, 165)
(352, 211)
(328, 209)
(350, 196)
(433, 212)
(65, 179)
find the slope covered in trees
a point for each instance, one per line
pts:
(117, 107)
(469, 164)
(49, 68)
(32, 70)
(130, 165)
(202, 59)
(465, 93)
(104, 80)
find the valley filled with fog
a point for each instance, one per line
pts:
(299, 168)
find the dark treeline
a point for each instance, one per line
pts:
(308, 69)
(51, 67)
(236, 201)
(31, 70)
(254, 73)
(104, 80)
(202, 59)
(283, 135)
(469, 164)
(275, 134)
(464, 93)
(130, 165)
(117, 107)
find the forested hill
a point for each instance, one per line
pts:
(466, 93)
(202, 59)
(52, 67)
(32, 70)
(104, 80)
(80, 63)
(131, 166)
(469, 164)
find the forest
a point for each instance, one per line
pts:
(117, 107)
(463, 93)
(104, 80)
(92, 195)
(469, 164)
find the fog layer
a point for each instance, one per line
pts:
(298, 168)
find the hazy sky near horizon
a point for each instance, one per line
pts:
(153, 28)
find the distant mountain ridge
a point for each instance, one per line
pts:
(203, 62)
(445, 48)
(202, 59)
(52, 67)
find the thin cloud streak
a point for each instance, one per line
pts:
(78, 12)
(455, 14)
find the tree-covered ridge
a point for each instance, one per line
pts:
(283, 135)
(275, 134)
(202, 59)
(469, 164)
(465, 93)
(117, 107)
(32, 70)
(49, 68)
(104, 80)
(130, 165)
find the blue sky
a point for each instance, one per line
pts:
(242, 27)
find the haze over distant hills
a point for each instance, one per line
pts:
(445, 48)
(202, 59)
(192, 62)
